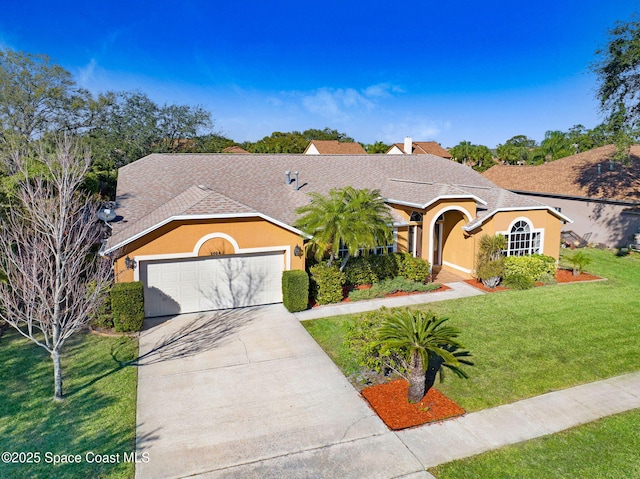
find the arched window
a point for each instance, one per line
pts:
(522, 240)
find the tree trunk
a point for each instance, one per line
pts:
(57, 375)
(417, 379)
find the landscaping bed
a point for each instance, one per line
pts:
(389, 401)
(562, 276)
(347, 289)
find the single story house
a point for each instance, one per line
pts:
(214, 231)
(334, 147)
(600, 195)
(410, 147)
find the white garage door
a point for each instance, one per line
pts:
(203, 284)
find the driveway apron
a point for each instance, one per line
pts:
(248, 393)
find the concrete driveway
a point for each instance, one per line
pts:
(248, 393)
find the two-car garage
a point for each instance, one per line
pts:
(187, 285)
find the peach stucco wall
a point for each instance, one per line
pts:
(181, 237)
(460, 247)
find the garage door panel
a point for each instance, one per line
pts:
(202, 284)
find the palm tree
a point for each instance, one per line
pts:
(358, 219)
(425, 341)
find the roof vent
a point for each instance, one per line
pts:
(288, 175)
(297, 184)
(599, 168)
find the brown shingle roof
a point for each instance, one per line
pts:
(235, 149)
(425, 148)
(578, 175)
(335, 147)
(159, 186)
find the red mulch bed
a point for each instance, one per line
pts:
(562, 276)
(389, 401)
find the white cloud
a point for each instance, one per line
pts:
(86, 74)
(336, 104)
(382, 90)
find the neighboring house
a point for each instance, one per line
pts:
(235, 149)
(600, 195)
(205, 232)
(410, 147)
(333, 147)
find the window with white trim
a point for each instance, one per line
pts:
(522, 240)
(390, 248)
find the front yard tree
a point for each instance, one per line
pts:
(426, 342)
(357, 219)
(54, 282)
(618, 70)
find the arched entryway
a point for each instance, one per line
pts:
(448, 243)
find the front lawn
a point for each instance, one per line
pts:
(97, 416)
(526, 343)
(607, 448)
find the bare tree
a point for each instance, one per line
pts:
(55, 281)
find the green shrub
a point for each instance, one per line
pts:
(103, 317)
(385, 265)
(327, 282)
(519, 281)
(390, 286)
(579, 261)
(295, 290)
(371, 269)
(363, 294)
(127, 305)
(362, 340)
(533, 266)
(360, 271)
(414, 269)
(490, 272)
(548, 278)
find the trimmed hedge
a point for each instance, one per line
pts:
(413, 269)
(534, 266)
(327, 283)
(390, 286)
(371, 269)
(295, 290)
(127, 305)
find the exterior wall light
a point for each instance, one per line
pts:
(297, 251)
(130, 263)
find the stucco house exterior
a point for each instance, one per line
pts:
(212, 231)
(334, 147)
(601, 196)
(410, 147)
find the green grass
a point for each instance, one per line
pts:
(98, 413)
(526, 343)
(607, 448)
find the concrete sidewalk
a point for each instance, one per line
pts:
(493, 428)
(457, 290)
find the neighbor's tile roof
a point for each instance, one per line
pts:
(426, 148)
(575, 175)
(335, 147)
(160, 186)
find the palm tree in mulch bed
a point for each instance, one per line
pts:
(427, 345)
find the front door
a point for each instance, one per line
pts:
(437, 241)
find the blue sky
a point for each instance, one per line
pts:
(377, 70)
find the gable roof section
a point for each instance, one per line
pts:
(235, 149)
(425, 148)
(335, 147)
(576, 176)
(161, 187)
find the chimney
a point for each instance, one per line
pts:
(288, 174)
(408, 145)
